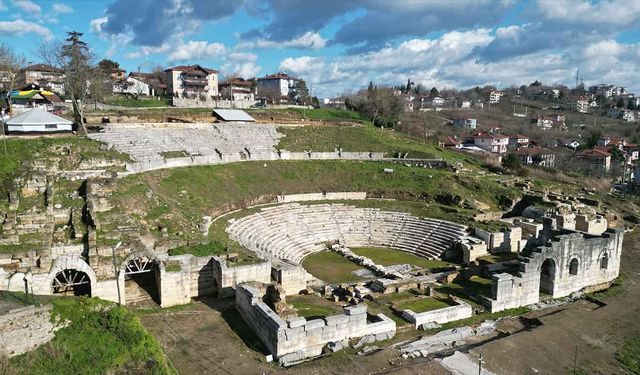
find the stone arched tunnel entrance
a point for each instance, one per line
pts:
(142, 276)
(71, 282)
(547, 276)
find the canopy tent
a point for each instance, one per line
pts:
(232, 115)
(38, 120)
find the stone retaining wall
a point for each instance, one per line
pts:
(297, 339)
(461, 310)
(25, 329)
(349, 195)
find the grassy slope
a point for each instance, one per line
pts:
(182, 196)
(422, 305)
(313, 307)
(99, 338)
(124, 101)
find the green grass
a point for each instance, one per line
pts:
(202, 249)
(313, 307)
(99, 338)
(126, 101)
(422, 305)
(629, 354)
(389, 257)
(359, 138)
(331, 267)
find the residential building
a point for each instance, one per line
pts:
(466, 104)
(536, 155)
(593, 159)
(494, 97)
(192, 82)
(118, 74)
(577, 103)
(552, 121)
(450, 142)
(569, 143)
(495, 143)
(622, 113)
(45, 76)
(612, 141)
(437, 101)
(276, 86)
(478, 104)
(518, 140)
(464, 123)
(608, 91)
(34, 96)
(237, 89)
(141, 84)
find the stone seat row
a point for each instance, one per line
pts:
(293, 231)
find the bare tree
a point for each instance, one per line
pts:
(10, 65)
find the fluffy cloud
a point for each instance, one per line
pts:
(196, 50)
(28, 6)
(159, 20)
(311, 40)
(241, 64)
(452, 61)
(373, 23)
(21, 27)
(62, 8)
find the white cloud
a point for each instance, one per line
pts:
(616, 12)
(309, 40)
(302, 65)
(95, 25)
(28, 6)
(146, 51)
(21, 27)
(62, 8)
(196, 50)
(2, 6)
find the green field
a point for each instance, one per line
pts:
(362, 138)
(100, 338)
(419, 305)
(313, 307)
(331, 267)
(389, 257)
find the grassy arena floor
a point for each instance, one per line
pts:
(389, 257)
(331, 267)
(313, 307)
(419, 305)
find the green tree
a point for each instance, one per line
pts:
(10, 65)
(511, 162)
(76, 59)
(620, 103)
(631, 105)
(300, 93)
(433, 92)
(108, 66)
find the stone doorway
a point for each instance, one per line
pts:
(547, 276)
(142, 283)
(71, 282)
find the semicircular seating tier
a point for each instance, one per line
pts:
(292, 231)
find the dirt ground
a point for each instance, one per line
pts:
(209, 337)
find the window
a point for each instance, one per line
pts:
(573, 267)
(51, 126)
(604, 262)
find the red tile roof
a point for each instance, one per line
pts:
(532, 151)
(594, 153)
(186, 68)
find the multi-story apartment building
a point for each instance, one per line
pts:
(276, 86)
(45, 76)
(496, 143)
(192, 82)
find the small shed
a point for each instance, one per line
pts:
(38, 120)
(234, 115)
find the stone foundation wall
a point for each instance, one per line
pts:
(293, 279)
(25, 329)
(228, 278)
(296, 339)
(461, 310)
(501, 242)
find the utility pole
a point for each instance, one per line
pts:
(480, 365)
(115, 270)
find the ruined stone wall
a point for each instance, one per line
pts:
(292, 279)
(228, 278)
(501, 242)
(349, 195)
(523, 287)
(297, 338)
(25, 329)
(461, 310)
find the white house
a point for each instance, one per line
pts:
(139, 84)
(437, 101)
(276, 85)
(496, 143)
(466, 104)
(237, 89)
(494, 97)
(465, 123)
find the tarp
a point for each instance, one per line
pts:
(38, 116)
(232, 115)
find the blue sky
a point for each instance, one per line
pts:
(340, 46)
